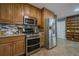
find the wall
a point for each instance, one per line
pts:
(61, 28)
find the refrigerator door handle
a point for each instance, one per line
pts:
(51, 39)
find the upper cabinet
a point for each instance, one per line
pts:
(18, 13)
(32, 11)
(38, 16)
(13, 13)
(5, 13)
(27, 10)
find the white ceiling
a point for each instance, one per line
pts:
(60, 9)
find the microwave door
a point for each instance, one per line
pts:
(29, 21)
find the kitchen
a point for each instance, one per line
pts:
(22, 28)
(39, 29)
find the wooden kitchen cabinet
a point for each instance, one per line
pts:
(38, 16)
(6, 49)
(13, 13)
(5, 13)
(12, 46)
(72, 28)
(27, 10)
(33, 11)
(19, 47)
(18, 13)
(42, 40)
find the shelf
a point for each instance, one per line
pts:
(68, 31)
(72, 27)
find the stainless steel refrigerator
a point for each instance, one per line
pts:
(50, 33)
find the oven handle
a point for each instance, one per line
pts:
(32, 38)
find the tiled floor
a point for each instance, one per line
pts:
(64, 48)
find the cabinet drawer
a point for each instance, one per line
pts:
(11, 39)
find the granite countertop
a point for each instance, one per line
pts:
(11, 35)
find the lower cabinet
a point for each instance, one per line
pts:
(42, 40)
(19, 48)
(6, 49)
(14, 46)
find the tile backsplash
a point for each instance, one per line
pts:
(8, 29)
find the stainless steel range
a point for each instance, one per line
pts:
(32, 35)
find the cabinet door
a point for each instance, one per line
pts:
(33, 12)
(19, 48)
(18, 13)
(19, 45)
(42, 40)
(27, 10)
(5, 13)
(6, 49)
(38, 16)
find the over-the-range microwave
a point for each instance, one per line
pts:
(29, 20)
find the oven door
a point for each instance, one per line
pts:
(30, 21)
